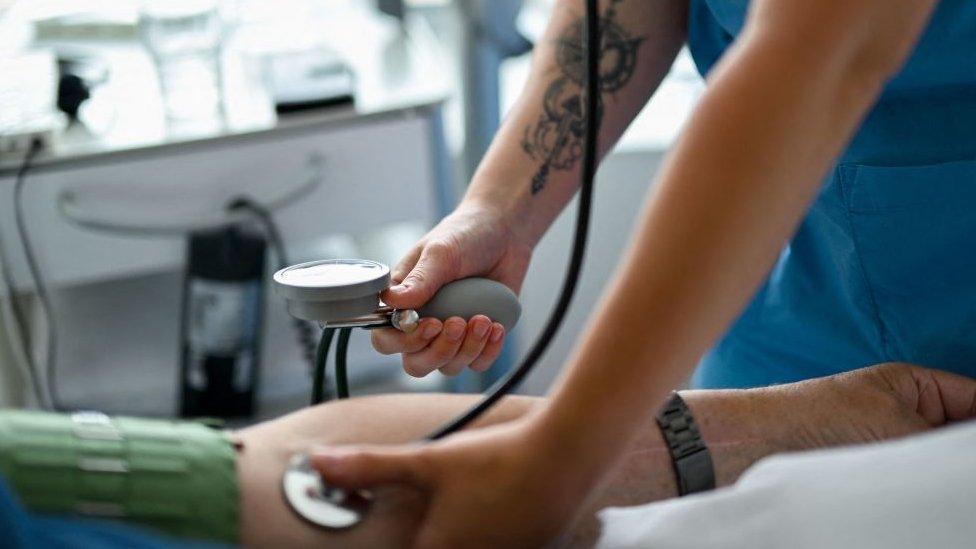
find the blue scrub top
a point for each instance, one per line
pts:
(883, 268)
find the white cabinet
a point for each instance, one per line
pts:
(372, 171)
(117, 296)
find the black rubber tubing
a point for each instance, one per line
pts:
(511, 381)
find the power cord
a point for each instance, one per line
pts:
(53, 400)
(303, 329)
(19, 316)
(15, 333)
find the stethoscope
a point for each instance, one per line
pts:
(344, 294)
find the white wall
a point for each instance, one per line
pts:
(622, 185)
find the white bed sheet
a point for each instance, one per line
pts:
(918, 492)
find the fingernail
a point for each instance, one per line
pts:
(481, 329)
(455, 330)
(399, 288)
(497, 333)
(430, 330)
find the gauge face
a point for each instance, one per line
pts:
(332, 289)
(332, 273)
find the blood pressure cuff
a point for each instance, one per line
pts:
(176, 477)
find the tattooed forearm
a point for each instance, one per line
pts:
(556, 138)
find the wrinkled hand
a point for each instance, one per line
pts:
(494, 487)
(877, 403)
(472, 241)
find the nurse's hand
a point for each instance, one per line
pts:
(498, 486)
(474, 240)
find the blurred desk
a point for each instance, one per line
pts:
(390, 142)
(381, 162)
(397, 69)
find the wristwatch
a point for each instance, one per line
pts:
(691, 459)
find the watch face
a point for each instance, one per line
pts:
(332, 273)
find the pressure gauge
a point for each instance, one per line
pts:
(332, 289)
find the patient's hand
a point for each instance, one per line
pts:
(871, 404)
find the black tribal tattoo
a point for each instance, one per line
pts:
(556, 139)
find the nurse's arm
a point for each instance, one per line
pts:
(529, 173)
(779, 110)
(532, 168)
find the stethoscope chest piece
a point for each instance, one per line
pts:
(320, 504)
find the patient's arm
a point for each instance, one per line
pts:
(739, 427)
(265, 519)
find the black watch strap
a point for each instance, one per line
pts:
(689, 455)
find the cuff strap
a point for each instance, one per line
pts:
(177, 477)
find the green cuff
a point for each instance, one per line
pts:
(177, 477)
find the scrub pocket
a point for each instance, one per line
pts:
(914, 230)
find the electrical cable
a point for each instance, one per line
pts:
(591, 111)
(264, 216)
(14, 334)
(303, 329)
(37, 280)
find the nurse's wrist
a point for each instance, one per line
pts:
(499, 185)
(505, 189)
(515, 218)
(564, 453)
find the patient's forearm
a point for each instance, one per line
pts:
(742, 426)
(739, 427)
(267, 522)
(732, 423)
